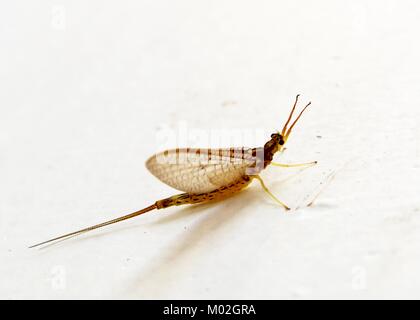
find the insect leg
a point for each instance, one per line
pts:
(307, 164)
(269, 192)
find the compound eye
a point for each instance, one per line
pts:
(281, 142)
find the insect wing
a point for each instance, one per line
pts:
(200, 170)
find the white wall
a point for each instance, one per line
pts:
(87, 87)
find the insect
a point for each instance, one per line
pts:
(206, 175)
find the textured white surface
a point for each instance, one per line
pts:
(87, 86)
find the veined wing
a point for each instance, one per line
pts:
(201, 170)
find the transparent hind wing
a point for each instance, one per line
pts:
(200, 170)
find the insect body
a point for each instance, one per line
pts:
(209, 174)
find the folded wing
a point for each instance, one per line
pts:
(200, 170)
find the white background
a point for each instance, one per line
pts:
(86, 87)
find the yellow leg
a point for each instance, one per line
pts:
(269, 192)
(307, 164)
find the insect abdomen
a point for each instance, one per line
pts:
(217, 194)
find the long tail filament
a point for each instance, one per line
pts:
(75, 233)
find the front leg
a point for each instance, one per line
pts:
(283, 165)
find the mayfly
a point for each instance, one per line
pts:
(206, 175)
